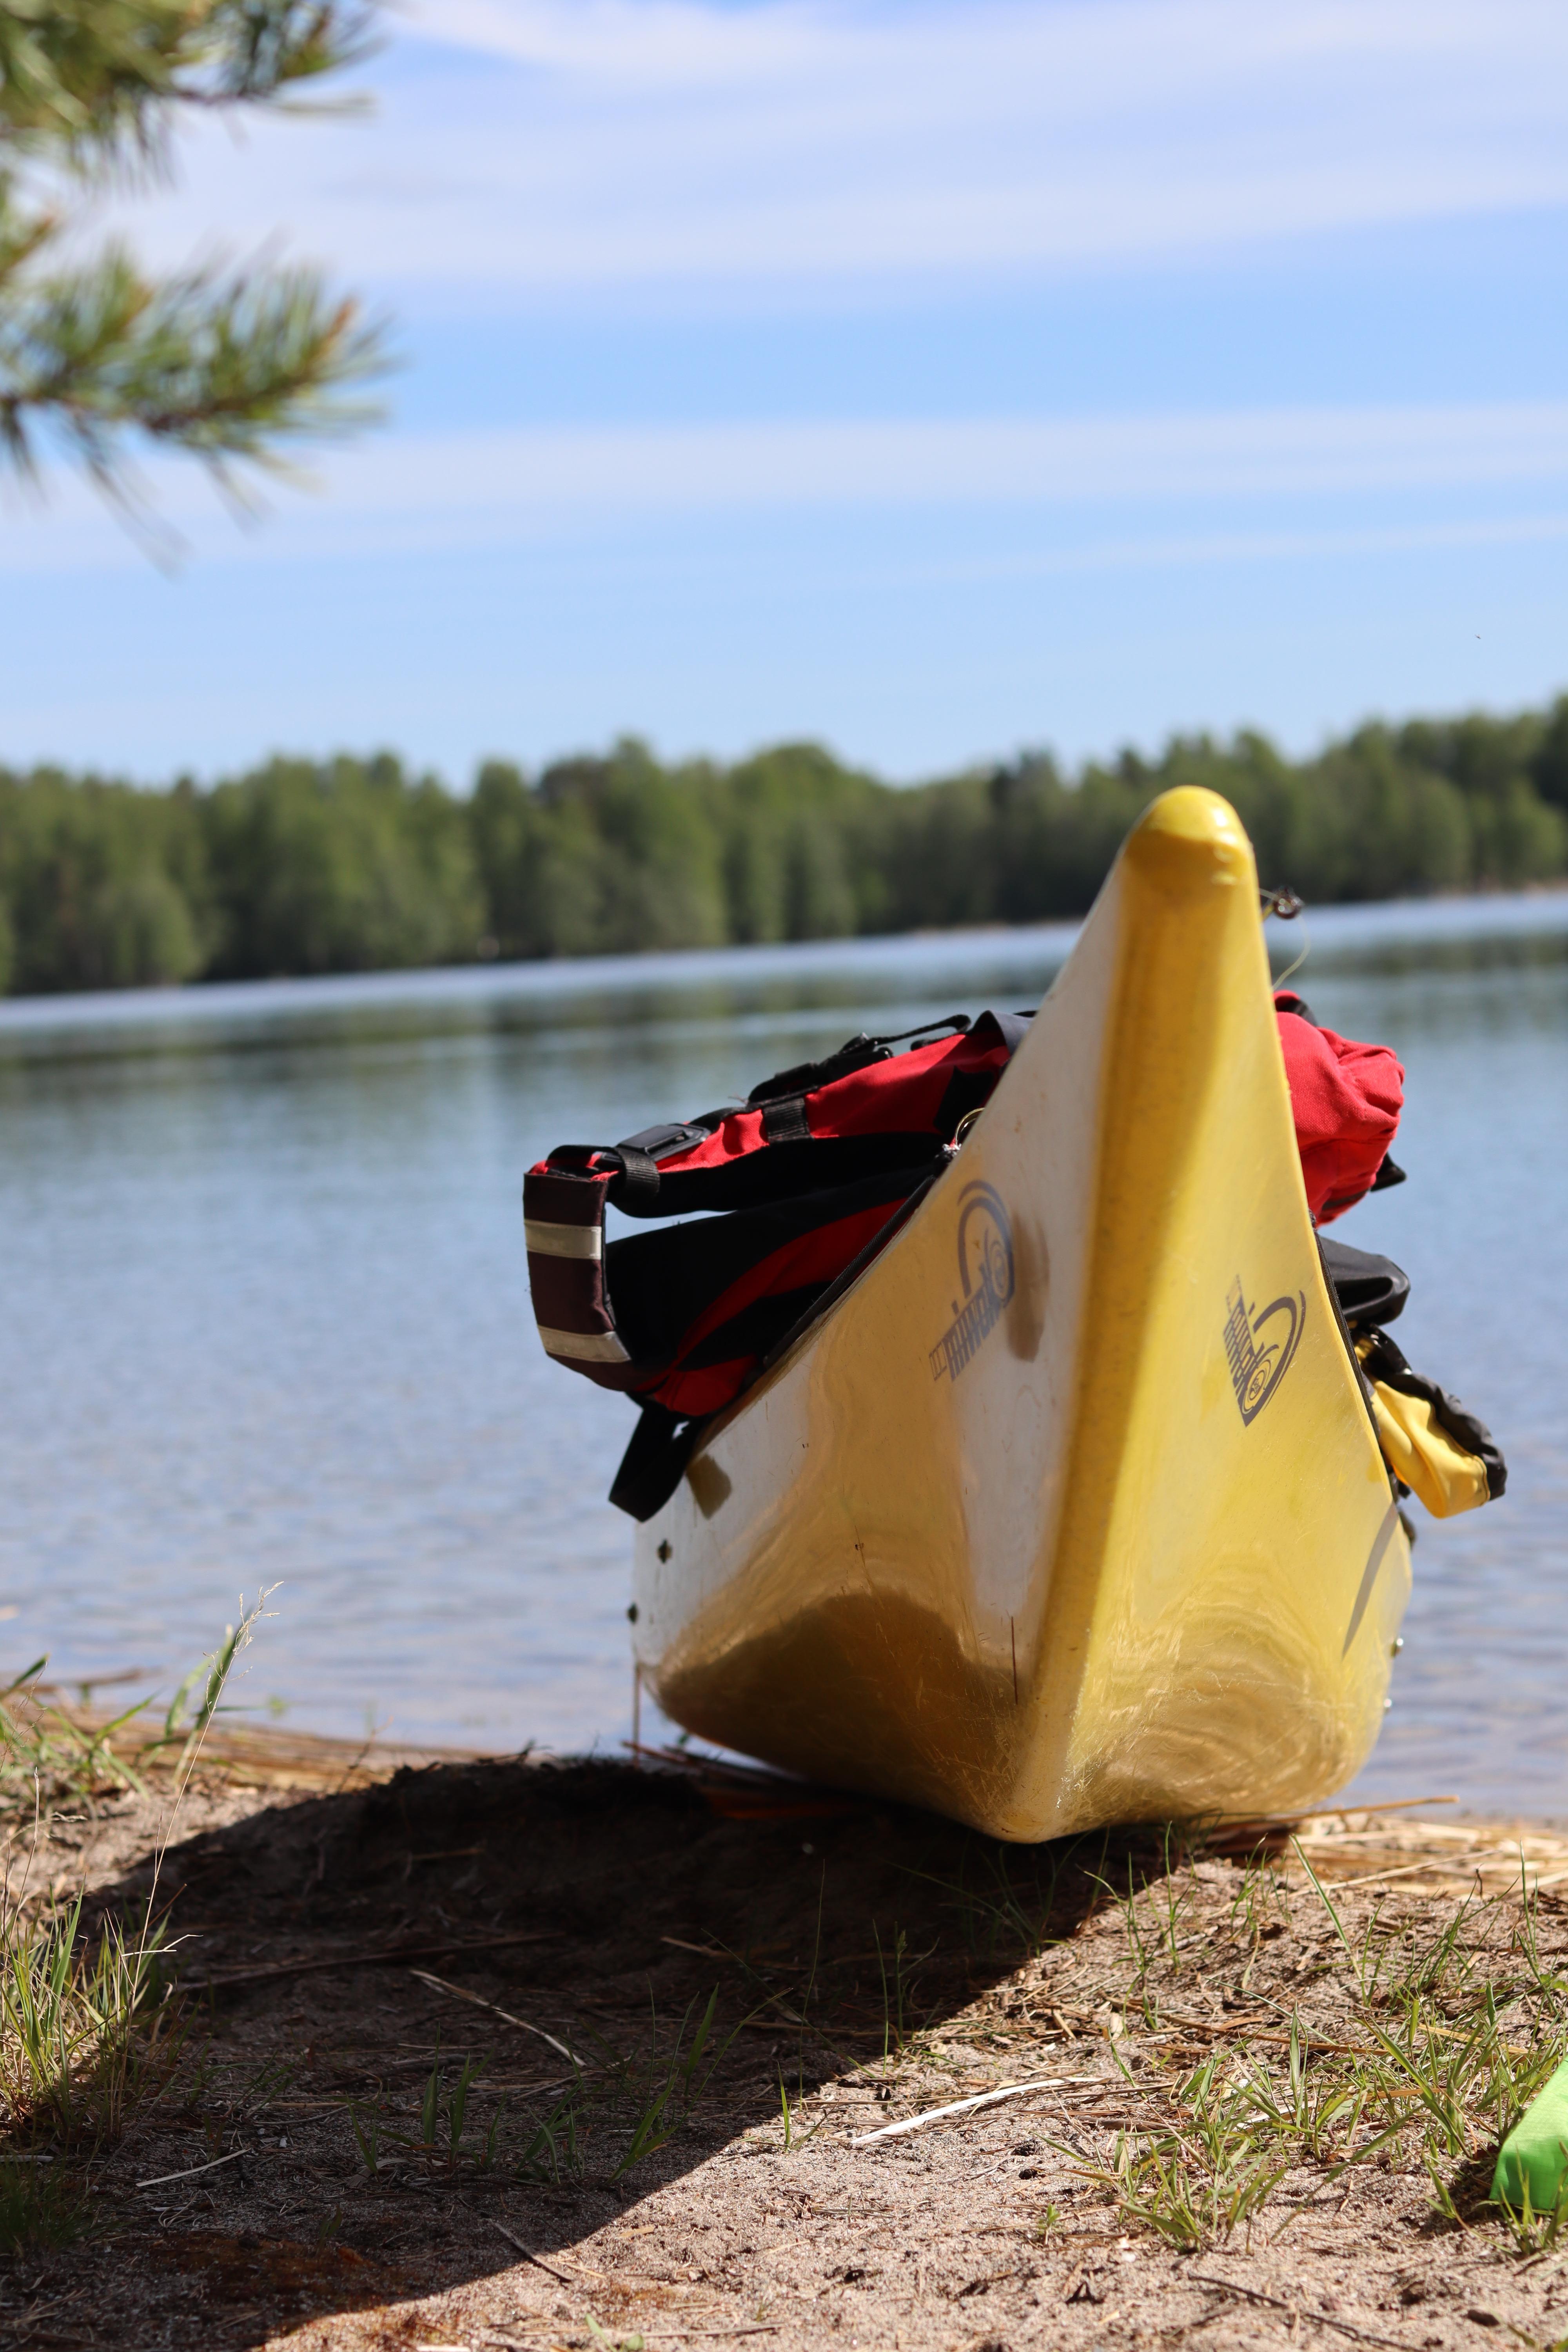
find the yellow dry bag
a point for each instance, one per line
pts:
(1431, 1444)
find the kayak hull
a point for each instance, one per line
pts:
(1070, 1510)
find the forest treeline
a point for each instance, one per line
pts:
(353, 865)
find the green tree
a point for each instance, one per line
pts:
(103, 886)
(656, 860)
(347, 867)
(1549, 756)
(1496, 765)
(793, 826)
(97, 355)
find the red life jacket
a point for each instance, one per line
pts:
(814, 1167)
(814, 1174)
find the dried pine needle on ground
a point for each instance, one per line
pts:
(526, 2053)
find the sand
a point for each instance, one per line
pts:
(341, 1930)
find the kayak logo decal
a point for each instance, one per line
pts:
(986, 1271)
(1259, 1346)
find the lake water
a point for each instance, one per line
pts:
(265, 1316)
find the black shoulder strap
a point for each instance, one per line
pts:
(651, 1465)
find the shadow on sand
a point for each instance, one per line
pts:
(705, 1948)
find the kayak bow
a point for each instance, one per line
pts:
(1070, 1510)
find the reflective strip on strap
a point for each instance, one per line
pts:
(585, 1346)
(562, 1241)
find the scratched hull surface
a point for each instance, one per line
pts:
(1069, 1511)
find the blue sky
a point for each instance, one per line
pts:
(930, 380)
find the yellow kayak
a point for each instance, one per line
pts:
(1070, 1510)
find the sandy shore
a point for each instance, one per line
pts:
(1268, 2072)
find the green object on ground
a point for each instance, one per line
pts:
(1534, 2155)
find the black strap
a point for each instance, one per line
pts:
(579, 1160)
(958, 1021)
(651, 1465)
(636, 1187)
(781, 1172)
(855, 1054)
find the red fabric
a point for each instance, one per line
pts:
(1346, 1098)
(861, 1104)
(899, 1096)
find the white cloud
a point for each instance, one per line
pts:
(1270, 453)
(569, 143)
(559, 483)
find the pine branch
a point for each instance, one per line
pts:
(97, 81)
(224, 368)
(228, 367)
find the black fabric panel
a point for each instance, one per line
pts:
(1008, 1029)
(1385, 1362)
(966, 1090)
(756, 1329)
(1370, 1290)
(660, 1283)
(1389, 1172)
